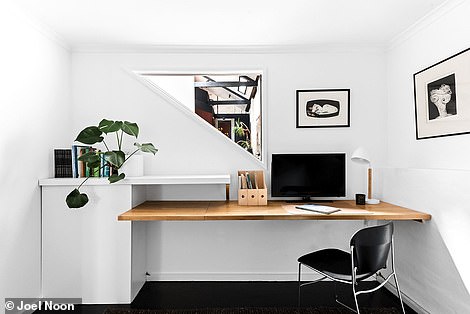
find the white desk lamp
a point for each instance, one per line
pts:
(361, 156)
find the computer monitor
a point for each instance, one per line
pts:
(308, 175)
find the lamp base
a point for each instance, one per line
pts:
(372, 201)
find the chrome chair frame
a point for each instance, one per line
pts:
(354, 282)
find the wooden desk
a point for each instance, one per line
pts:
(143, 214)
(275, 210)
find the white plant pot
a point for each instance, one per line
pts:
(134, 166)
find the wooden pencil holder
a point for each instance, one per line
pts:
(252, 188)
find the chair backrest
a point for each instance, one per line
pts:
(371, 248)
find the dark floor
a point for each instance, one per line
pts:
(197, 294)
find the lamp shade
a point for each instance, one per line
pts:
(360, 156)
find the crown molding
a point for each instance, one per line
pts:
(40, 27)
(231, 49)
(430, 18)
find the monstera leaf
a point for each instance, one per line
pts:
(130, 128)
(115, 178)
(89, 157)
(146, 148)
(90, 135)
(109, 126)
(115, 158)
(92, 159)
(75, 199)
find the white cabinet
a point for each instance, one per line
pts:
(87, 253)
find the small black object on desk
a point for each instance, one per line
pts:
(360, 199)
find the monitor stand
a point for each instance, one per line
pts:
(307, 199)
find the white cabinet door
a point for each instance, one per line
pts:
(86, 252)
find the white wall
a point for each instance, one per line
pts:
(35, 116)
(238, 250)
(181, 87)
(432, 266)
(103, 88)
(431, 175)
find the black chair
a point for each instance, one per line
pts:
(369, 250)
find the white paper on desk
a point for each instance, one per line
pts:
(318, 208)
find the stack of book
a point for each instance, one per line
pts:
(67, 165)
(63, 163)
(81, 170)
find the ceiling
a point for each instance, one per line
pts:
(82, 23)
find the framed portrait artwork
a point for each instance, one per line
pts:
(442, 98)
(322, 108)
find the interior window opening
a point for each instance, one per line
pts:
(231, 103)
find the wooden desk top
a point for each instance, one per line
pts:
(275, 210)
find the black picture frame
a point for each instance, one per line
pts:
(442, 103)
(322, 108)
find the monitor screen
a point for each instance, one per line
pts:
(308, 175)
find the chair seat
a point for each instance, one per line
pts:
(332, 262)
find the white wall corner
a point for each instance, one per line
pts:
(42, 28)
(432, 17)
(406, 299)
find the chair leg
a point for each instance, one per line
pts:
(298, 300)
(355, 298)
(399, 293)
(354, 282)
(337, 300)
(336, 292)
(395, 274)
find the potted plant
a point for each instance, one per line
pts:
(113, 158)
(242, 131)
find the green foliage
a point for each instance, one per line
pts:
(89, 157)
(242, 130)
(115, 177)
(244, 144)
(114, 158)
(130, 128)
(146, 148)
(75, 199)
(90, 135)
(108, 126)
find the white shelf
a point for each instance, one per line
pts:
(145, 180)
(181, 179)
